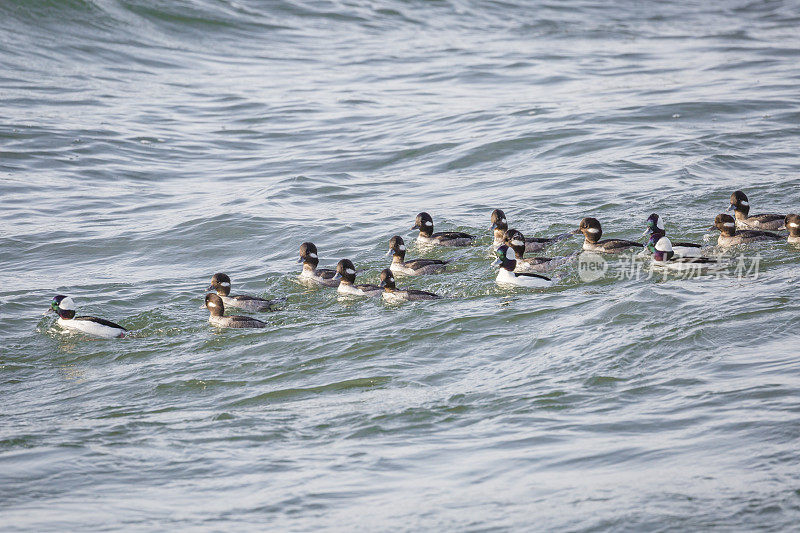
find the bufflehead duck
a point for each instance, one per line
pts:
(506, 260)
(222, 284)
(64, 306)
(346, 273)
(590, 227)
(741, 208)
(392, 294)
(412, 267)
(424, 224)
(310, 272)
(730, 236)
(532, 244)
(516, 241)
(664, 256)
(792, 222)
(216, 318)
(656, 230)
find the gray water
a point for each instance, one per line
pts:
(147, 144)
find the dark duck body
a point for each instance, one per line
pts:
(424, 224)
(765, 221)
(412, 267)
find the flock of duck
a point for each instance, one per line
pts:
(509, 246)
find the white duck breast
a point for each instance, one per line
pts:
(322, 276)
(93, 326)
(359, 290)
(522, 280)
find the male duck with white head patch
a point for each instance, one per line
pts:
(792, 222)
(590, 227)
(656, 230)
(506, 260)
(217, 309)
(532, 244)
(424, 224)
(221, 283)
(730, 236)
(392, 294)
(310, 272)
(64, 306)
(741, 208)
(412, 267)
(346, 274)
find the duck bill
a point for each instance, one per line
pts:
(382, 284)
(576, 231)
(390, 252)
(731, 208)
(337, 276)
(493, 226)
(210, 289)
(415, 226)
(47, 311)
(497, 263)
(301, 260)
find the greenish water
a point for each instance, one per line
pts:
(146, 145)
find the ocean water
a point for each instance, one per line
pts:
(147, 144)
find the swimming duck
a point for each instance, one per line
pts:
(424, 224)
(392, 294)
(412, 267)
(217, 308)
(346, 273)
(310, 272)
(532, 244)
(730, 236)
(590, 227)
(64, 306)
(506, 260)
(221, 283)
(792, 222)
(516, 241)
(664, 256)
(656, 230)
(741, 208)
